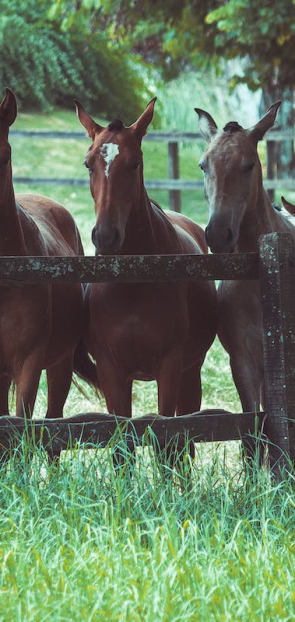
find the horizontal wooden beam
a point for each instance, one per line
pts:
(285, 184)
(150, 184)
(99, 428)
(174, 137)
(127, 268)
(52, 181)
(153, 136)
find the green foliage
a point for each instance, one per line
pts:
(46, 64)
(264, 33)
(38, 64)
(188, 33)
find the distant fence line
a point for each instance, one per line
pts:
(174, 184)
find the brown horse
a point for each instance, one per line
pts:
(143, 331)
(240, 212)
(40, 325)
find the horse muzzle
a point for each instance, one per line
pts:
(219, 236)
(107, 240)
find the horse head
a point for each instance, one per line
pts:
(115, 165)
(232, 176)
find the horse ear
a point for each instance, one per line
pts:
(257, 131)
(140, 126)
(288, 206)
(207, 125)
(86, 120)
(8, 108)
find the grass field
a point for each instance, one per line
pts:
(79, 543)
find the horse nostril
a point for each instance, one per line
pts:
(93, 235)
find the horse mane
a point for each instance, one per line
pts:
(156, 205)
(115, 125)
(277, 207)
(232, 127)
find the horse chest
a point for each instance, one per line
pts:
(240, 322)
(23, 319)
(143, 320)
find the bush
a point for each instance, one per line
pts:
(47, 67)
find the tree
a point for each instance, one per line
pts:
(264, 34)
(49, 63)
(178, 34)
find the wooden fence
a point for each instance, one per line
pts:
(174, 184)
(274, 266)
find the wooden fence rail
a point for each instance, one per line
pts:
(133, 268)
(274, 266)
(174, 184)
(100, 429)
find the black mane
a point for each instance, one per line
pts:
(115, 125)
(232, 127)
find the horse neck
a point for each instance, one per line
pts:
(148, 230)
(11, 235)
(260, 219)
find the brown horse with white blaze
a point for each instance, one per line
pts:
(240, 212)
(154, 331)
(40, 325)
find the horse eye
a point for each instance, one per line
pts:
(5, 159)
(249, 167)
(88, 167)
(134, 165)
(202, 167)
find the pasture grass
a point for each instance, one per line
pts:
(79, 543)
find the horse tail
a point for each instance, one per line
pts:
(84, 366)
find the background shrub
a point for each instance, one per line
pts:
(47, 66)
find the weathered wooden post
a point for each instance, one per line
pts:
(173, 173)
(277, 282)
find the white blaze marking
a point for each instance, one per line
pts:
(109, 151)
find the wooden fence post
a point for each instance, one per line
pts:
(277, 282)
(173, 173)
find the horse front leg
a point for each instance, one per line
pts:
(5, 382)
(190, 395)
(169, 381)
(168, 395)
(248, 379)
(27, 380)
(240, 333)
(117, 390)
(59, 378)
(190, 392)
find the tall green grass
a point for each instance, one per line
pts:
(80, 543)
